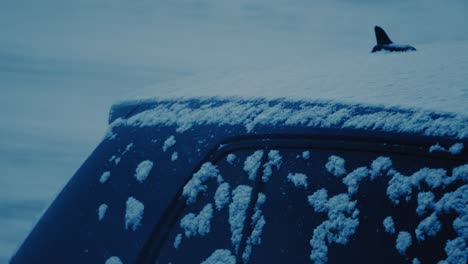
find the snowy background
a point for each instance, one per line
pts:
(63, 63)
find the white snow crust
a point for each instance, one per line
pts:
(220, 256)
(403, 242)
(197, 224)
(336, 166)
(196, 185)
(169, 142)
(102, 209)
(252, 113)
(133, 213)
(389, 225)
(222, 195)
(114, 260)
(274, 160)
(143, 170)
(252, 164)
(298, 179)
(237, 210)
(104, 177)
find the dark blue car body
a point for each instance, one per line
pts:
(70, 230)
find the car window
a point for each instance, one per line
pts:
(337, 206)
(217, 200)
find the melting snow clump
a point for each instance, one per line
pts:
(105, 176)
(389, 225)
(306, 154)
(222, 195)
(340, 226)
(133, 213)
(252, 164)
(220, 256)
(274, 160)
(298, 179)
(379, 166)
(196, 184)
(231, 158)
(237, 209)
(177, 241)
(102, 211)
(353, 179)
(113, 260)
(197, 224)
(170, 141)
(336, 166)
(143, 170)
(403, 242)
(174, 156)
(258, 222)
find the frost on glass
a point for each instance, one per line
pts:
(252, 164)
(197, 224)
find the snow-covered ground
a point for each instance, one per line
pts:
(63, 63)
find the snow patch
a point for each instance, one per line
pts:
(403, 242)
(389, 225)
(231, 158)
(258, 222)
(237, 210)
(174, 156)
(341, 224)
(252, 164)
(197, 224)
(336, 166)
(222, 195)
(425, 202)
(143, 170)
(436, 147)
(298, 179)
(456, 149)
(306, 155)
(169, 142)
(104, 177)
(353, 179)
(102, 211)
(380, 166)
(274, 160)
(133, 213)
(220, 256)
(196, 184)
(430, 226)
(456, 250)
(114, 260)
(177, 241)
